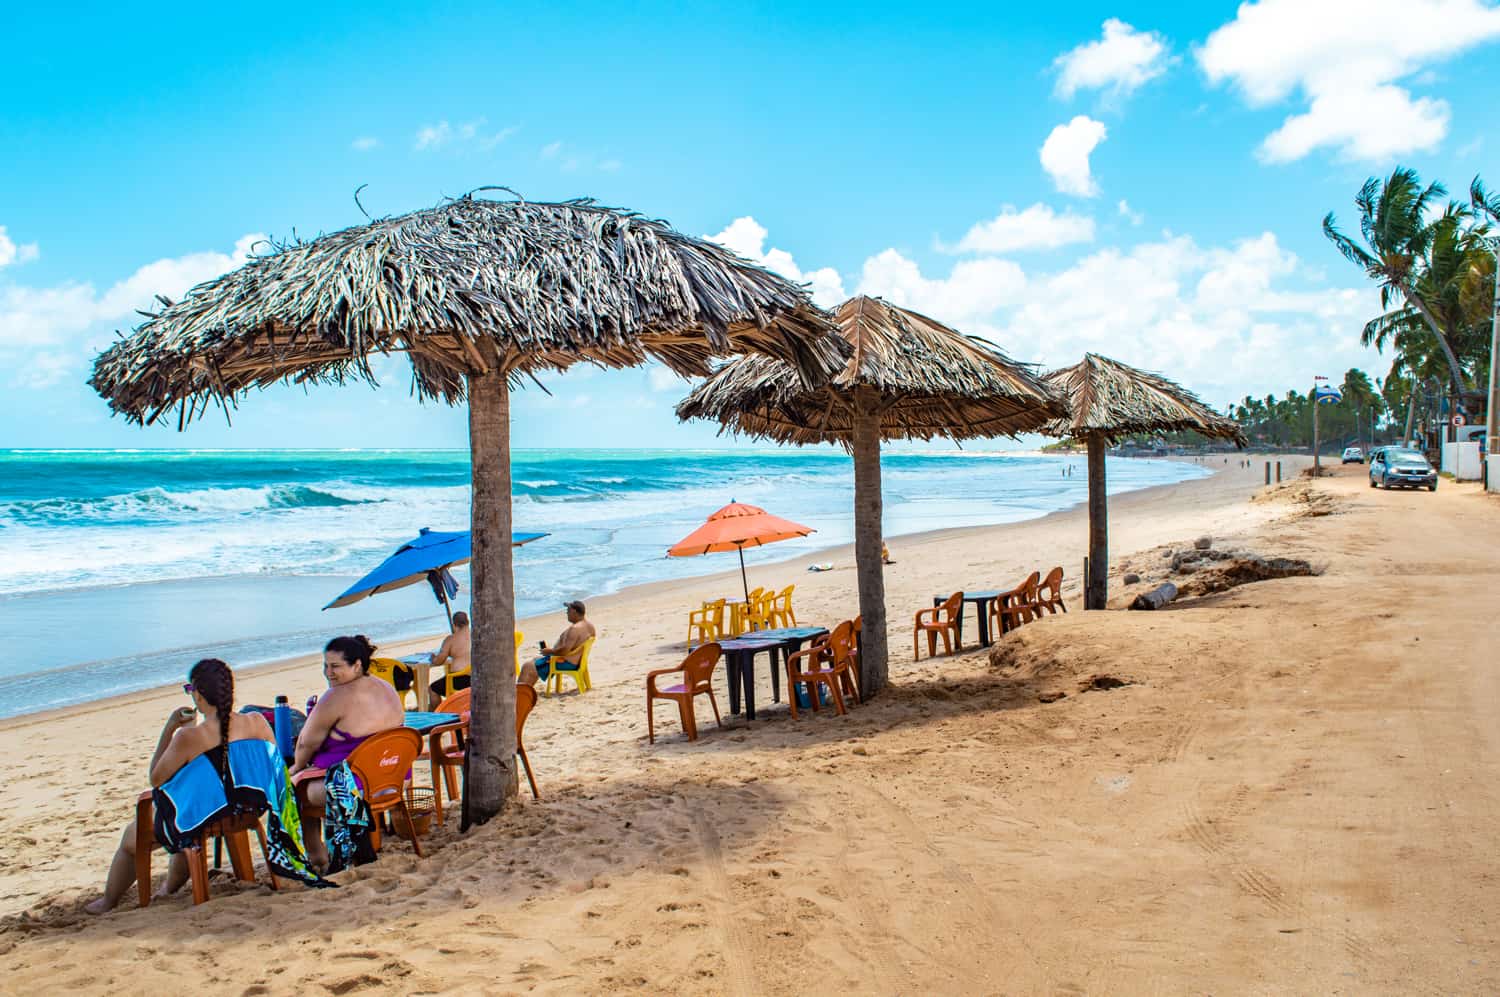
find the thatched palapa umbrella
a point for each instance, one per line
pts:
(478, 294)
(906, 377)
(1110, 400)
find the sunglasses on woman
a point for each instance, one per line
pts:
(187, 687)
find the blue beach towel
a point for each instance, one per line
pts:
(199, 794)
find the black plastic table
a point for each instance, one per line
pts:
(739, 659)
(981, 601)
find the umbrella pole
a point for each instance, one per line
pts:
(743, 579)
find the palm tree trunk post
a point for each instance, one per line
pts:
(1098, 581)
(492, 730)
(867, 539)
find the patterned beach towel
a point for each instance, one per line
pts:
(199, 794)
(346, 820)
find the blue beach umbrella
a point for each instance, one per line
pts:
(425, 559)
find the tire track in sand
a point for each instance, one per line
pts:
(739, 966)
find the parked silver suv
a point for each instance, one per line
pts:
(1397, 467)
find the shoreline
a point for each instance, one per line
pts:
(840, 554)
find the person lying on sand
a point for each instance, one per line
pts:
(356, 705)
(211, 686)
(569, 647)
(454, 656)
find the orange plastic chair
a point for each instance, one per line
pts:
(852, 675)
(447, 757)
(235, 830)
(1017, 606)
(1049, 597)
(697, 671)
(940, 621)
(381, 764)
(825, 663)
(707, 623)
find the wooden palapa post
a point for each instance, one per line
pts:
(873, 647)
(492, 728)
(1098, 582)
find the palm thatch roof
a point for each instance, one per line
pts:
(471, 285)
(1118, 400)
(928, 380)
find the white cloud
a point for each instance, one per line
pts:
(747, 237)
(1125, 211)
(364, 143)
(610, 166)
(467, 134)
(1065, 155)
(1248, 317)
(12, 253)
(1038, 227)
(1120, 62)
(972, 291)
(1345, 57)
(433, 136)
(48, 333)
(551, 149)
(662, 379)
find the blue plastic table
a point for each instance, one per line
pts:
(739, 658)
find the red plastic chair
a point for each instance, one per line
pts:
(697, 671)
(941, 621)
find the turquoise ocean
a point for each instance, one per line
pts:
(118, 569)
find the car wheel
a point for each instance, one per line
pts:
(1372, 482)
(1432, 487)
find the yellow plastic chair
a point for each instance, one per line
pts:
(743, 613)
(520, 639)
(763, 616)
(385, 670)
(707, 623)
(579, 673)
(782, 612)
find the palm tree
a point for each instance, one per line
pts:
(1398, 240)
(1360, 395)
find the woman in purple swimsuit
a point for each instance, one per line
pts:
(356, 705)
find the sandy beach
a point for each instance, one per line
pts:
(1289, 790)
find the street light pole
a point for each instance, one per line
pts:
(1490, 420)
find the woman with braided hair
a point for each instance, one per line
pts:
(211, 686)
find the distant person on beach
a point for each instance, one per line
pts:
(569, 646)
(454, 656)
(211, 686)
(885, 554)
(356, 705)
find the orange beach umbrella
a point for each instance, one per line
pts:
(735, 527)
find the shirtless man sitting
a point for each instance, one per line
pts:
(569, 646)
(454, 655)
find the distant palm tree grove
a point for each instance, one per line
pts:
(1435, 267)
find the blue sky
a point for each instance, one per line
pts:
(1144, 180)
